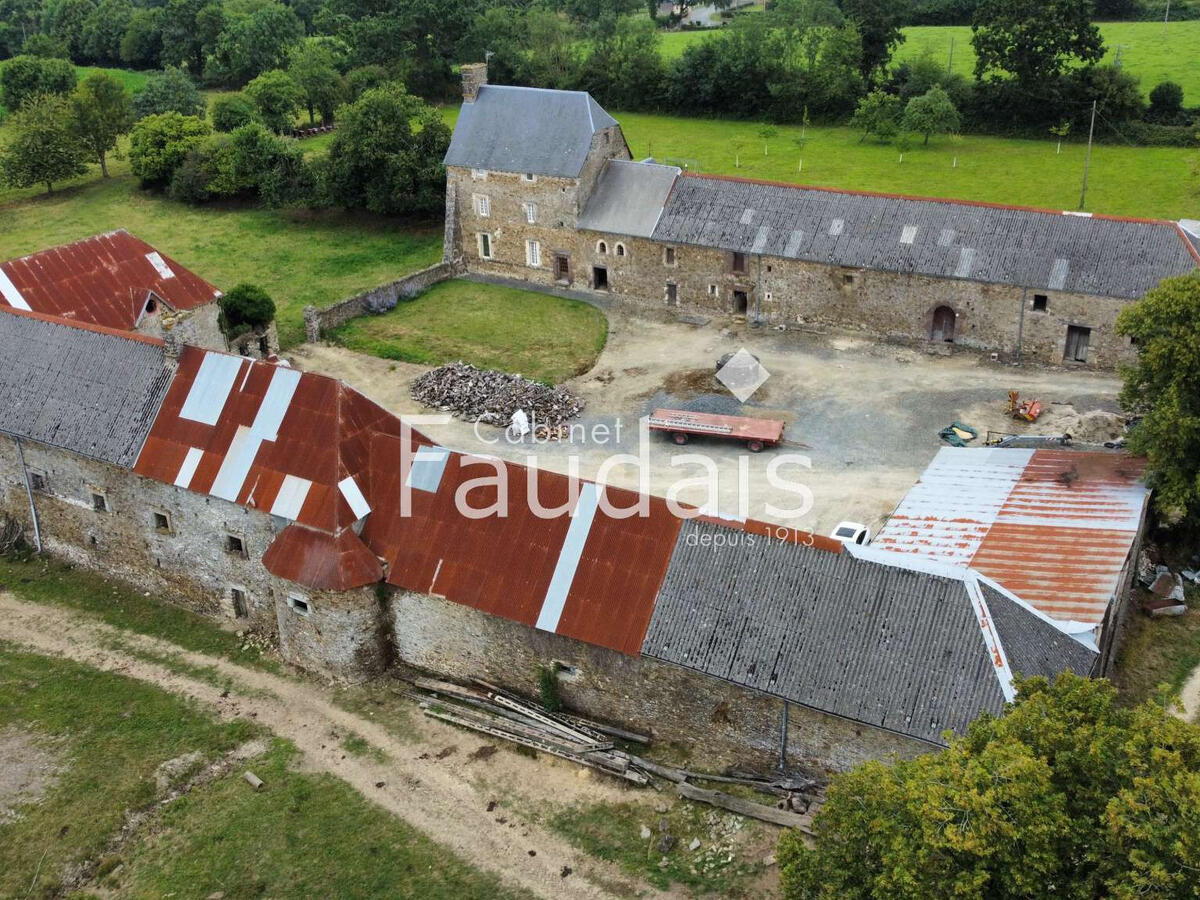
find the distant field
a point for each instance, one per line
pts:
(131, 79)
(1136, 181)
(1145, 51)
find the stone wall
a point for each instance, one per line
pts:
(341, 633)
(200, 327)
(708, 721)
(318, 322)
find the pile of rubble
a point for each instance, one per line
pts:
(486, 395)
(1166, 586)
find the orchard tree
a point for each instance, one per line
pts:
(312, 63)
(1163, 388)
(931, 113)
(277, 97)
(42, 147)
(879, 113)
(1068, 793)
(1033, 40)
(102, 112)
(25, 76)
(159, 144)
(171, 90)
(387, 153)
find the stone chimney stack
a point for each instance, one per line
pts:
(474, 76)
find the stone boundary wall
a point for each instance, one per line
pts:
(318, 322)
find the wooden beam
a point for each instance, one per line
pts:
(746, 808)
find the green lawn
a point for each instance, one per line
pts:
(1158, 651)
(533, 334)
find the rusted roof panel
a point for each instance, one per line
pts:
(102, 280)
(322, 561)
(1055, 527)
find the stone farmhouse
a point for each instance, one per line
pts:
(249, 490)
(541, 188)
(117, 281)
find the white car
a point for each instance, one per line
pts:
(851, 533)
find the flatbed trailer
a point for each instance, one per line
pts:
(682, 425)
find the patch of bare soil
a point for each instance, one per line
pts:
(688, 383)
(28, 767)
(441, 794)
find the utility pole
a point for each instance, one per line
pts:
(1087, 162)
(1166, 18)
(950, 63)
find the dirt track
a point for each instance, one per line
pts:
(439, 797)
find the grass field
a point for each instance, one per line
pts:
(1157, 652)
(538, 336)
(1145, 50)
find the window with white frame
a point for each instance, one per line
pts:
(620, 249)
(299, 604)
(485, 245)
(531, 213)
(601, 247)
(483, 205)
(533, 253)
(529, 178)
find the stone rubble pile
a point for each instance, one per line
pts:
(489, 396)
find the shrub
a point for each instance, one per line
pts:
(168, 91)
(245, 307)
(1166, 103)
(159, 144)
(277, 97)
(232, 111)
(551, 698)
(23, 77)
(362, 79)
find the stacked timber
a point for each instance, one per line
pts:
(492, 397)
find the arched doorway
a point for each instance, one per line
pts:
(942, 329)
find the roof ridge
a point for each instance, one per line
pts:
(84, 326)
(982, 204)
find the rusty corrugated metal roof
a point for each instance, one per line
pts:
(1054, 527)
(321, 560)
(102, 280)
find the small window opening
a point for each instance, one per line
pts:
(712, 290)
(99, 503)
(92, 540)
(235, 544)
(620, 249)
(485, 246)
(847, 278)
(1040, 302)
(565, 672)
(669, 256)
(151, 305)
(672, 294)
(738, 262)
(162, 523)
(237, 597)
(529, 178)
(602, 247)
(600, 278)
(299, 604)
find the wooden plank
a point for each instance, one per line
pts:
(747, 808)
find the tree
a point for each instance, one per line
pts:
(626, 69)
(879, 113)
(1166, 102)
(102, 112)
(168, 91)
(159, 144)
(244, 307)
(24, 76)
(104, 29)
(387, 153)
(1069, 794)
(362, 79)
(878, 23)
(231, 111)
(66, 20)
(931, 113)
(311, 63)
(190, 29)
(277, 97)
(255, 42)
(42, 147)
(141, 45)
(45, 46)
(1033, 40)
(1163, 387)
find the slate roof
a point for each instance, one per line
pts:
(527, 130)
(881, 644)
(102, 280)
(628, 198)
(88, 390)
(1037, 249)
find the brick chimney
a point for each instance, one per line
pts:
(474, 76)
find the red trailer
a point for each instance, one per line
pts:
(681, 425)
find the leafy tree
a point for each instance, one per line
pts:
(1033, 40)
(190, 29)
(931, 113)
(626, 69)
(104, 29)
(45, 46)
(1163, 387)
(387, 153)
(141, 45)
(102, 112)
(23, 77)
(19, 22)
(66, 21)
(256, 42)
(42, 147)
(159, 144)
(231, 111)
(312, 65)
(168, 91)
(1166, 102)
(878, 23)
(1068, 793)
(362, 79)
(277, 97)
(244, 307)
(879, 113)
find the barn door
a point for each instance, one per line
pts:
(1078, 339)
(943, 325)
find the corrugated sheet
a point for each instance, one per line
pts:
(321, 560)
(628, 198)
(102, 280)
(893, 648)
(1034, 646)
(86, 390)
(505, 564)
(1055, 527)
(527, 130)
(949, 239)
